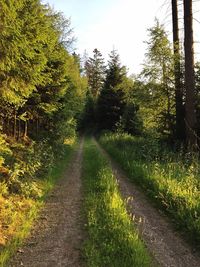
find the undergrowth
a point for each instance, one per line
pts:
(112, 239)
(20, 207)
(171, 179)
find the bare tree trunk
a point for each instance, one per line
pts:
(190, 116)
(25, 128)
(19, 129)
(180, 129)
(37, 126)
(8, 126)
(15, 124)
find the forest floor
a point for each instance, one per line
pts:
(56, 239)
(58, 235)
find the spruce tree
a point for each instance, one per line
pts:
(159, 81)
(95, 72)
(111, 102)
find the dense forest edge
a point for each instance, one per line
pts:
(42, 96)
(149, 123)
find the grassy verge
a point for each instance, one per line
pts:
(171, 180)
(17, 213)
(112, 241)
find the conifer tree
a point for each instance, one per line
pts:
(111, 102)
(36, 69)
(158, 75)
(41, 89)
(95, 71)
(23, 35)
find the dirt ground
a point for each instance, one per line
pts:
(57, 237)
(164, 243)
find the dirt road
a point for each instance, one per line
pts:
(165, 244)
(57, 237)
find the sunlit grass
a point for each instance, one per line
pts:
(171, 179)
(17, 213)
(112, 239)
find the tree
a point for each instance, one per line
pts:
(95, 72)
(158, 81)
(41, 90)
(190, 116)
(36, 69)
(111, 101)
(88, 119)
(23, 61)
(131, 121)
(197, 95)
(180, 129)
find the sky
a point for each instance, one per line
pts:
(118, 24)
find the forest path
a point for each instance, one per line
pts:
(165, 244)
(57, 237)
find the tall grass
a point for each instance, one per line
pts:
(171, 179)
(112, 239)
(17, 213)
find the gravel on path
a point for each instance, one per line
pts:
(57, 236)
(158, 233)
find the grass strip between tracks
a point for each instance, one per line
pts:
(112, 238)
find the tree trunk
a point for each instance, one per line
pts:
(180, 129)
(37, 126)
(8, 126)
(15, 124)
(190, 115)
(19, 129)
(25, 128)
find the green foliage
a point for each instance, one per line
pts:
(18, 211)
(111, 102)
(88, 119)
(19, 174)
(36, 70)
(95, 72)
(42, 95)
(155, 89)
(5, 151)
(23, 60)
(42, 92)
(171, 179)
(131, 121)
(16, 215)
(112, 241)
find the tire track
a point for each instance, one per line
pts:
(165, 244)
(56, 239)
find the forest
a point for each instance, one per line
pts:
(96, 152)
